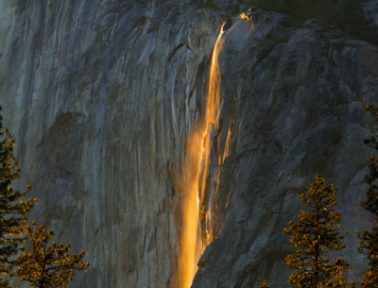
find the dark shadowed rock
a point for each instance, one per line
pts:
(294, 99)
(100, 96)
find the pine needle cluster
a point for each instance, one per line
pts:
(48, 265)
(13, 207)
(315, 233)
(25, 251)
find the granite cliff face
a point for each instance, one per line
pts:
(293, 98)
(101, 95)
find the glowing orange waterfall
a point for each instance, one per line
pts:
(193, 177)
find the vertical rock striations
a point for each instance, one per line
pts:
(293, 98)
(101, 95)
(191, 182)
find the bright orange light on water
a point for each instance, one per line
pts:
(193, 177)
(246, 17)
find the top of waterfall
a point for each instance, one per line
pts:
(227, 23)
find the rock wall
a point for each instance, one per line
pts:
(294, 101)
(100, 95)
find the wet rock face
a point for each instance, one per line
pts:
(294, 99)
(100, 96)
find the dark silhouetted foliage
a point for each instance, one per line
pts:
(369, 243)
(13, 207)
(314, 234)
(47, 265)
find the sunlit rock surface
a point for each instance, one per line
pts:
(100, 96)
(294, 100)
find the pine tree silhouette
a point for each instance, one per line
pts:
(314, 233)
(14, 207)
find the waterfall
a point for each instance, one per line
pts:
(191, 183)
